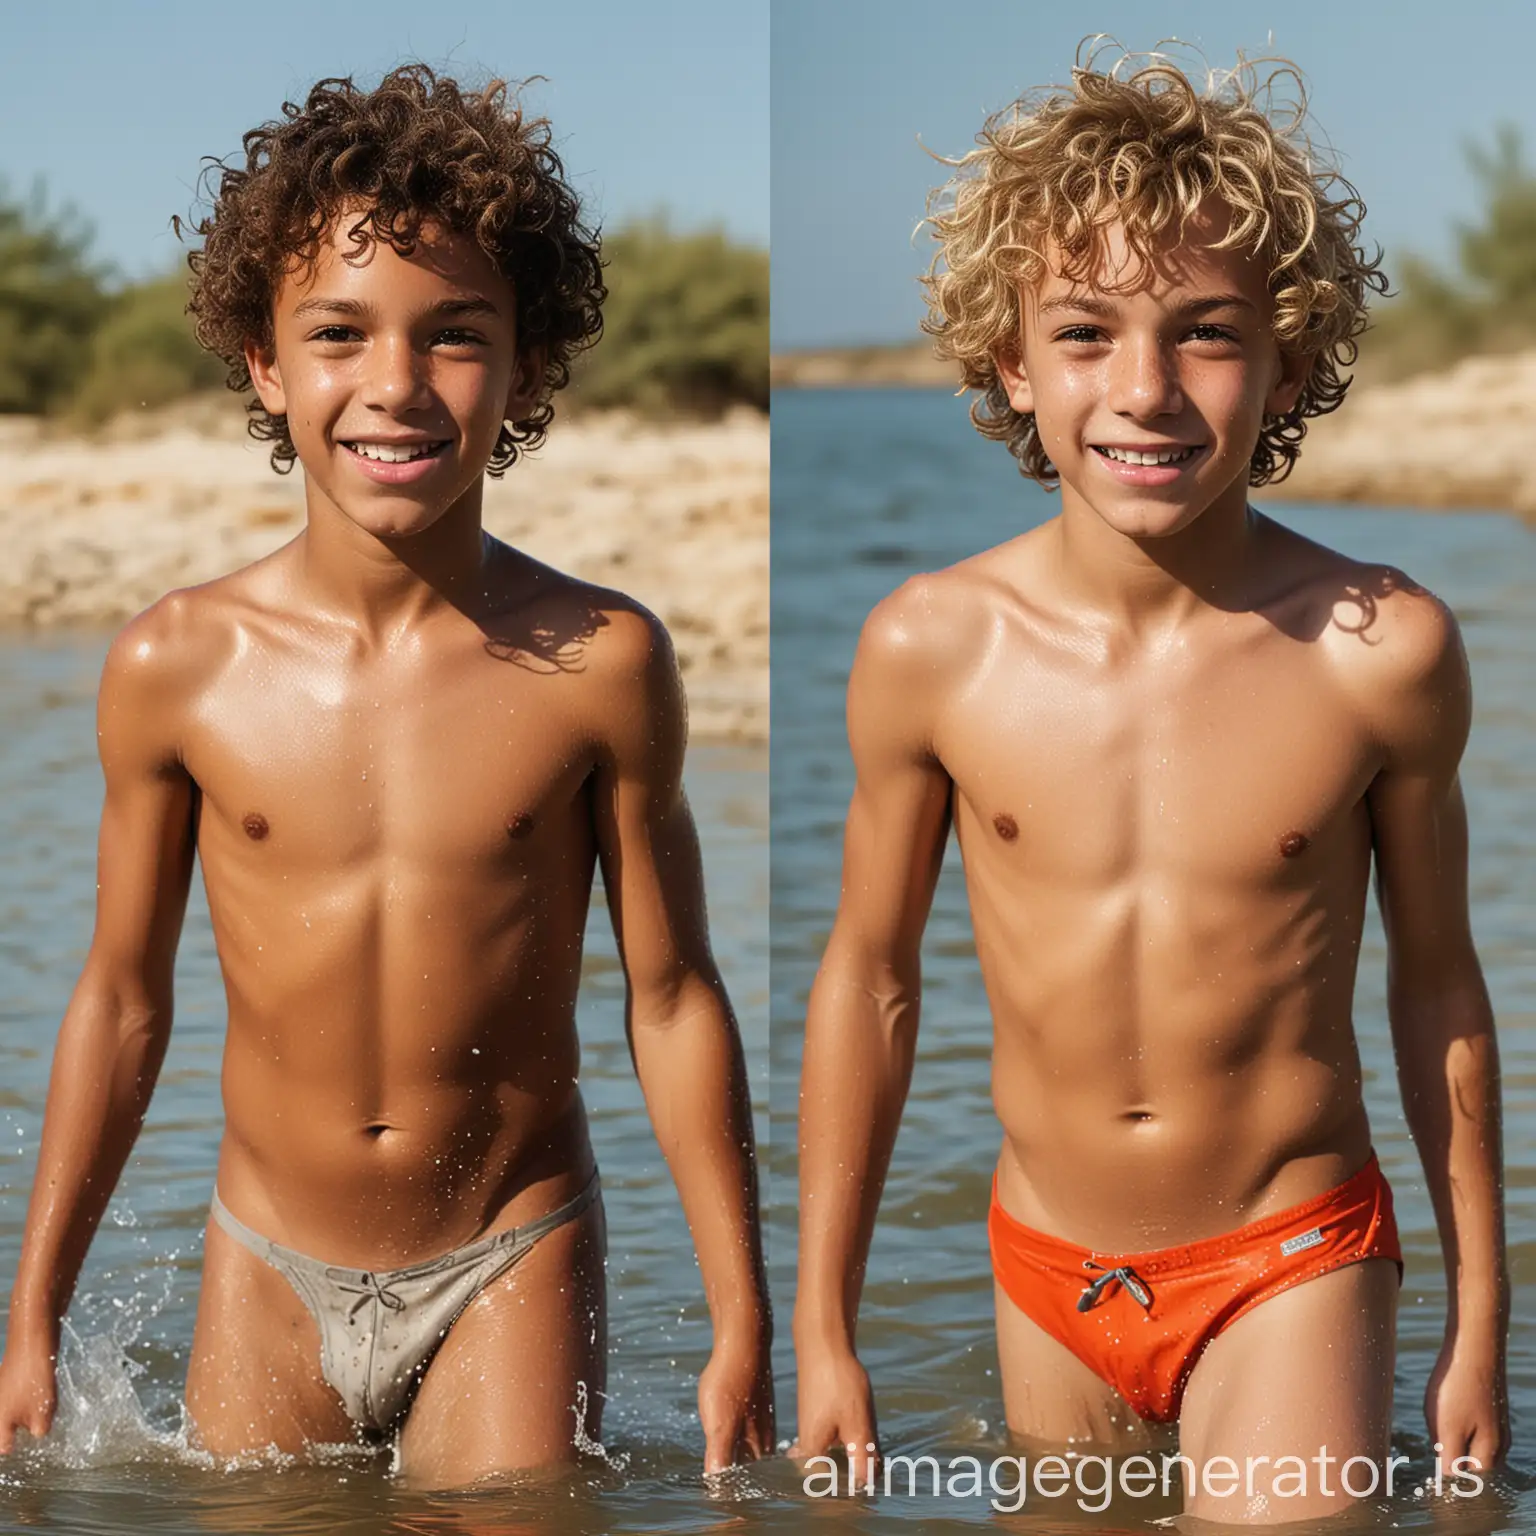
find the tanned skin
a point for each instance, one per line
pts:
(1170, 736)
(400, 749)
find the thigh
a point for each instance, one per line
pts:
(501, 1394)
(254, 1379)
(1050, 1397)
(1305, 1377)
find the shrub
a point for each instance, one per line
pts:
(686, 324)
(1488, 303)
(51, 300)
(144, 354)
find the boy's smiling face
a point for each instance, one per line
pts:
(395, 373)
(1149, 382)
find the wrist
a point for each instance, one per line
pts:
(822, 1332)
(1479, 1307)
(744, 1335)
(1478, 1331)
(32, 1329)
(746, 1321)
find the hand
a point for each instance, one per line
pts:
(28, 1392)
(736, 1404)
(837, 1410)
(1467, 1405)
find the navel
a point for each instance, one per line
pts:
(1294, 844)
(256, 827)
(1005, 826)
(520, 825)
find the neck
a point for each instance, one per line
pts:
(1148, 583)
(384, 586)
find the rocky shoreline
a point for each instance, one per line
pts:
(675, 514)
(1443, 441)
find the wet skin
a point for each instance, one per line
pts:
(400, 750)
(1169, 736)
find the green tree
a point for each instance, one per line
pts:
(685, 327)
(51, 300)
(144, 353)
(1498, 256)
(1488, 302)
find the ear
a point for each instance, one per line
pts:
(527, 384)
(1295, 369)
(1015, 381)
(261, 364)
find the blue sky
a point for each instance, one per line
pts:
(1398, 88)
(661, 105)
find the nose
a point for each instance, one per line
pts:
(1144, 380)
(393, 378)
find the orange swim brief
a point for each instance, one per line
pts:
(1141, 1321)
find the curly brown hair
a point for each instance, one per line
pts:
(417, 147)
(1144, 147)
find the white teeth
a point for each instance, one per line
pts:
(1159, 456)
(388, 455)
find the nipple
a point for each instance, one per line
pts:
(255, 826)
(520, 825)
(1294, 844)
(1005, 826)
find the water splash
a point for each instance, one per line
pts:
(734, 1484)
(101, 1421)
(584, 1442)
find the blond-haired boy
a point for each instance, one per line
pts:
(1171, 736)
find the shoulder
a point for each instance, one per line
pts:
(627, 652)
(917, 652)
(557, 622)
(633, 690)
(172, 651)
(930, 628)
(167, 649)
(154, 670)
(1395, 650)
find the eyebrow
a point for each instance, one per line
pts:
(1087, 304)
(473, 304)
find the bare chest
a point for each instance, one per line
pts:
(325, 765)
(1241, 770)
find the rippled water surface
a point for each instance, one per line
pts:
(870, 487)
(113, 1462)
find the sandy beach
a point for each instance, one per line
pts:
(675, 514)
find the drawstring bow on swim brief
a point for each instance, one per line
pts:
(372, 1289)
(1124, 1274)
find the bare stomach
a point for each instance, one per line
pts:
(377, 1170)
(1183, 1155)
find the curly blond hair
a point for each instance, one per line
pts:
(1138, 143)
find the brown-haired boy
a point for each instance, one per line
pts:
(1171, 736)
(399, 749)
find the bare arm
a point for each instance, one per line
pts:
(683, 1036)
(1442, 1023)
(116, 1027)
(861, 1026)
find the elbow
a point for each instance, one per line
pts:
(1447, 1003)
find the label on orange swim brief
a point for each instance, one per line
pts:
(1302, 1243)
